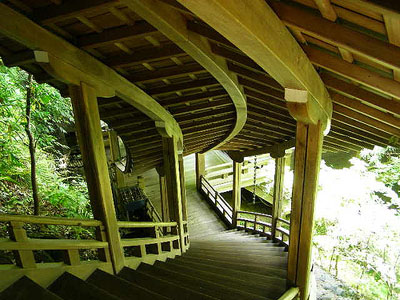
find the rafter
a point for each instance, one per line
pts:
(354, 91)
(174, 26)
(353, 72)
(265, 39)
(373, 49)
(166, 73)
(115, 34)
(145, 56)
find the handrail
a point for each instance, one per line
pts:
(220, 205)
(150, 241)
(128, 224)
(50, 220)
(155, 216)
(254, 213)
(290, 294)
(283, 221)
(281, 234)
(23, 247)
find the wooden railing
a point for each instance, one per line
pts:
(262, 223)
(220, 205)
(290, 294)
(149, 241)
(282, 231)
(29, 255)
(152, 212)
(257, 222)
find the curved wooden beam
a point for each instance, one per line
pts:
(254, 28)
(73, 66)
(174, 25)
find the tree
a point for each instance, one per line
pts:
(31, 145)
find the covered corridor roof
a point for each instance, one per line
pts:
(220, 97)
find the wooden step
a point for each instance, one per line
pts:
(194, 283)
(70, 287)
(245, 275)
(263, 260)
(246, 267)
(26, 289)
(272, 291)
(162, 286)
(238, 244)
(120, 287)
(269, 251)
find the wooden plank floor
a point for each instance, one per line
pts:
(202, 219)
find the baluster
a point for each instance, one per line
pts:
(104, 254)
(23, 258)
(72, 257)
(255, 222)
(157, 234)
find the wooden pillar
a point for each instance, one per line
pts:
(163, 193)
(200, 168)
(278, 192)
(90, 139)
(115, 156)
(307, 164)
(171, 168)
(183, 187)
(236, 191)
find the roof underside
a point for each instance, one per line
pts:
(353, 46)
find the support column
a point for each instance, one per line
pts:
(183, 187)
(309, 140)
(278, 192)
(90, 138)
(200, 168)
(163, 193)
(171, 167)
(115, 156)
(236, 191)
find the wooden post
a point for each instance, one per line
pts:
(278, 192)
(200, 168)
(163, 193)
(115, 156)
(307, 164)
(90, 139)
(183, 187)
(236, 191)
(23, 258)
(171, 167)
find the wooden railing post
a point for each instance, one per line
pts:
(172, 175)
(307, 164)
(183, 186)
(236, 191)
(90, 139)
(278, 192)
(200, 168)
(163, 193)
(23, 258)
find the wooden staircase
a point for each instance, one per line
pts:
(220, 264)
(225, 265)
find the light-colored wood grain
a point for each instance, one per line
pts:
(174, 25)
(254, 28)
(236, 191)
(91, 143)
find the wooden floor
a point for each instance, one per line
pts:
(202, 219)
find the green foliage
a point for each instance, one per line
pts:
(356, 235)
(62, 193)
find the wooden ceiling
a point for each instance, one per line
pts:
(352, 44)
